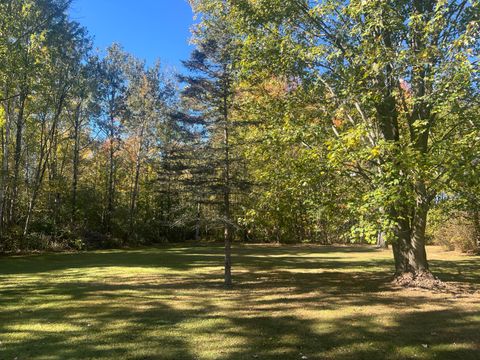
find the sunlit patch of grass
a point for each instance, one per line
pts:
(287, 303)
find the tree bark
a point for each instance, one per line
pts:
(76, 159)
(17, 157)
(381, 243)
(413, 257)
(409, 247)
(5, 169)
(111, 178)
(411, 266)
(53, 179)
(197, 223)
(135, 190)
(226, 198)
(45, 153)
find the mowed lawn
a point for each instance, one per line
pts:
(289, 302)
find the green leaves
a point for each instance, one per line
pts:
(392, 79)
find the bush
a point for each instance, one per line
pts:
(96, 240)
(457, 233)
(77, 244)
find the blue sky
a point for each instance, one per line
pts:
(149, 29)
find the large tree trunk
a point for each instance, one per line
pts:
(417, 272)
(411, 266)
(409, 248)
(409, 251)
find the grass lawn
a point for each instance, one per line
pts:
(287, 303)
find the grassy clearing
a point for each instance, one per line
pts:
(288, 302)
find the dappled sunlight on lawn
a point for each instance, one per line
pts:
(287, 302)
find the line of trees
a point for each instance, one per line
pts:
(83, 135)
(321, 121)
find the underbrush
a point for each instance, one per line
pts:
(457, 232)
(66, 240)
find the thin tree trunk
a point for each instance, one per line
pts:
(76, 160)
(476, 223)
(53, 178)
(43, 162)
(381, 243)
(4, 174)
(226, 198)
(17, 157)
(138, 164)
(197, 223)
(111, 180)
(41, 168)
(5, 169)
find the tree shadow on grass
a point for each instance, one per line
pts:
(180, 258)
(280, 308)
(159, 330)
(466, 271)
(445, 334)
(150, 258)
(97, 332)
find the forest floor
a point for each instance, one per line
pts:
(290, 302)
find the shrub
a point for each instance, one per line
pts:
(457, 233)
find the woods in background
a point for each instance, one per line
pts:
(83, 136)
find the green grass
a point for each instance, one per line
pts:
(287, 302)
